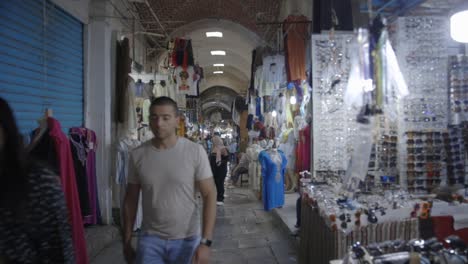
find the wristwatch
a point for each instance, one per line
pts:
(206, 242)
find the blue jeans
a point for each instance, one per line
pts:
(154, 250)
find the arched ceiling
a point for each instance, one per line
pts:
(227, 80)
(218, 92)
(173, 14)
(217, 98)
(236, 19)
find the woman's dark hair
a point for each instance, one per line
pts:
(13, 162)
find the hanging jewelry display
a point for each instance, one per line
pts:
(421, 46)
(422, 52)
(334, 123)
(458, 89)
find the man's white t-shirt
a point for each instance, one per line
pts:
(167, 178)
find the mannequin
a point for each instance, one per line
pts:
(275, 157)
(273, 163)
(254, 168)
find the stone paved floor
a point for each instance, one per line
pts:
(244, 233)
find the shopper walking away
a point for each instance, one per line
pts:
(233, 152)
(34, 223)
(218, 161)
(169, 170)
(209, 144)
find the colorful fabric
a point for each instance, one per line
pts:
(273, 164)
(187, 80)
(67, 176)
(295, 47)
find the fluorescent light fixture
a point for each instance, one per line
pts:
(458, 23)
(214, 34)
(218, 72)
(218, 65)
(218, 52)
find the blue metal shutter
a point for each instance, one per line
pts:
(41, 62)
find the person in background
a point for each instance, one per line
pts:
(169, 170)
(209, 144)
(34, 224)
(233, 152)
(241, 168)
(218, 160)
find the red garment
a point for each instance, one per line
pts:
(303, 150)
(295, 47)
(298, 152)
(174, 53)
(67, 177)
(258, 126)
(305, 139)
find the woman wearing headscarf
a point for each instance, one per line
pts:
(218, 160)
(34, 224)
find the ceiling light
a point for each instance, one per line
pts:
(218, 52)
(274, 113)
(214, 34)
(218, 65)
(458, 22)
(218, 72)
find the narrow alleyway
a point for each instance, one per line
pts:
(244, 234)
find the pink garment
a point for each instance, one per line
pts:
(89, 140)
(67, 177)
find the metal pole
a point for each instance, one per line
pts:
(133, 40)
(156, 17)
(116, 17)
(369, 7)
(286, 22)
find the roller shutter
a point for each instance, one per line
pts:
(41, 62)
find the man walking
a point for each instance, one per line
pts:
(169, 170)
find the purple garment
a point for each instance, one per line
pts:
(79, 153)
(91, 170)
(88, 137)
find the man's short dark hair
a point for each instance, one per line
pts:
(164, 100)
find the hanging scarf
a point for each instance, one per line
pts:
(218, 147)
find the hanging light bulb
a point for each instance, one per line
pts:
(293, 100)
(274, 114)
(458, 22)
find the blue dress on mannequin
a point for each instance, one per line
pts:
(273, 164)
